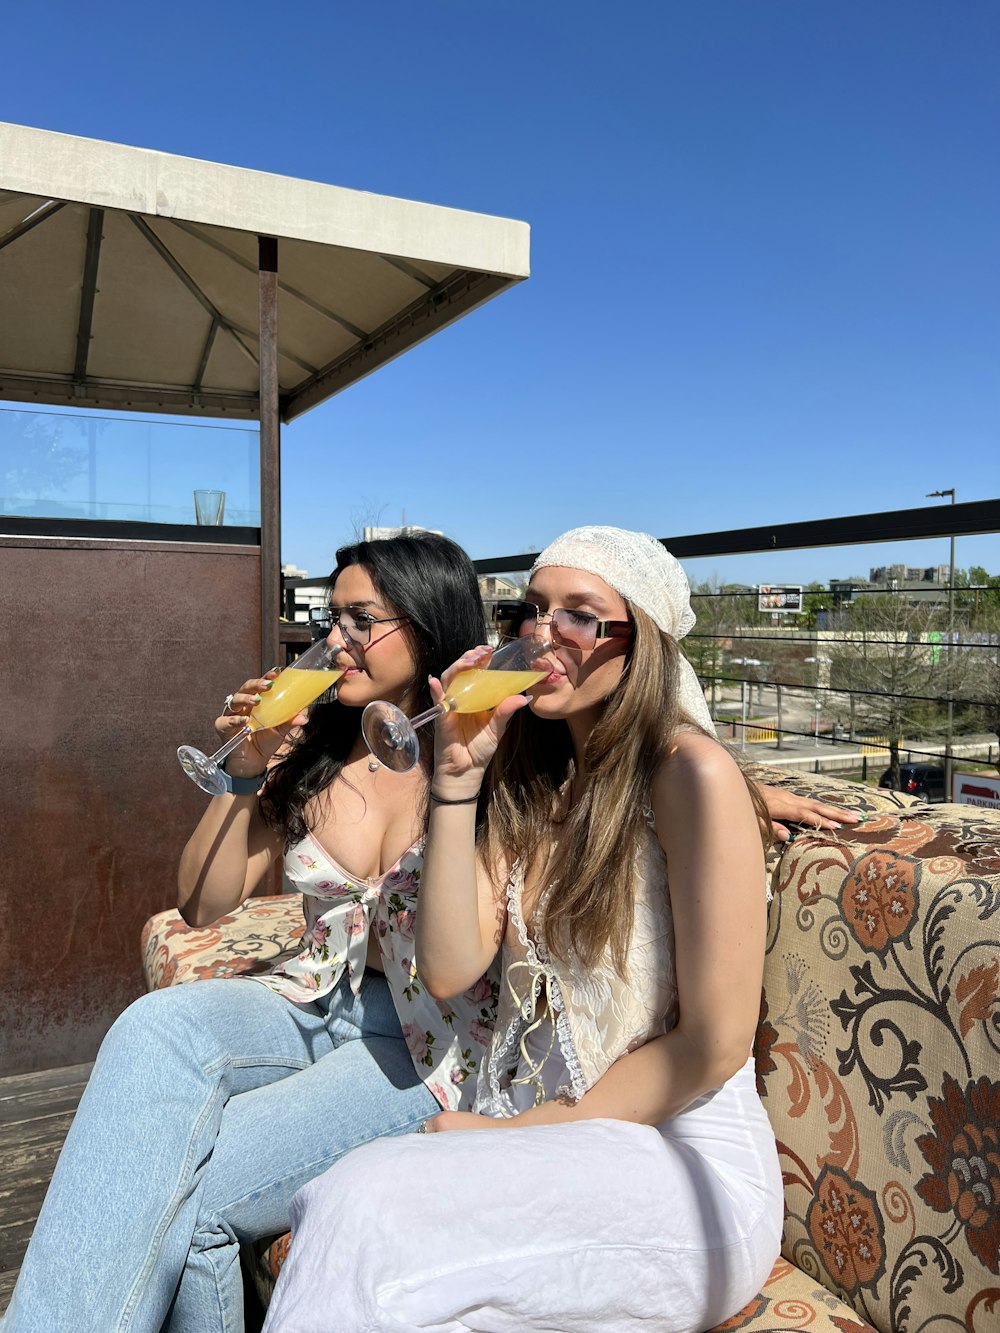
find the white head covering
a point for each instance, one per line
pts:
(635, 565)
(644, 572)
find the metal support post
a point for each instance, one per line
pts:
(949, 659)
(270, 454)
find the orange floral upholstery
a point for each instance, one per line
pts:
(877, 1052)
(878, 1058)
(249, 940)
(790, 1300)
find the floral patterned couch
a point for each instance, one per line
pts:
(877, 1052)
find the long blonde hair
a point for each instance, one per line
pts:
(591, 908)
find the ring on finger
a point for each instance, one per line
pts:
(227, 707)
(422, 1127)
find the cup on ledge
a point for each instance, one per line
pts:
(209, 508)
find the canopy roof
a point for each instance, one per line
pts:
(128, 278)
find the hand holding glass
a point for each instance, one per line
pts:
(294, 689)
(391, 736)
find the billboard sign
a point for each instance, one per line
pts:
(976, 789)
(780, 598)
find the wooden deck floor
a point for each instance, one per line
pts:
(35, 1113)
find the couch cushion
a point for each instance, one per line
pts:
(249, 940)
(262, 1260)
(878, 1057)
(791, 1300)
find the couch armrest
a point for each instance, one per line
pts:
(877, 1058)
(249, 940)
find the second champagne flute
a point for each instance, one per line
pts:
(392, 737)
(303, 681)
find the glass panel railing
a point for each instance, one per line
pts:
(81, 466)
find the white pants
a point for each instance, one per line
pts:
(593, 1227)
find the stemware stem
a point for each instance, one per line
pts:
(226, 750)
(429, 714)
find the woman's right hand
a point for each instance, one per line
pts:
(464, 743)
(253, 756)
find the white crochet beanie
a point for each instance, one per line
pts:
(642, 570)
(635, 564)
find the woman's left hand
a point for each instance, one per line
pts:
(446, 1120)
(784, 808)
(464, 743)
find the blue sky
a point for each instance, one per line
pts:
(764, 247)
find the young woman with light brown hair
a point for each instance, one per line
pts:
(627, 1177)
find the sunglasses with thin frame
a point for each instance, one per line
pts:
(578, 629)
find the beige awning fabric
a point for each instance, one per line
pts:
(128, 278)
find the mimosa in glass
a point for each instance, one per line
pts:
(392, 737)
(480, 690)
(294, 689)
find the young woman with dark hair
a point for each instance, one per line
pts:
(211, 1103)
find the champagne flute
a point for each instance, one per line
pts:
(297, 686)
(392, 737)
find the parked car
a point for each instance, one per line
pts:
(923, 780)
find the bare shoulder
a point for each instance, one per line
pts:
(694, 753)
(696, 762)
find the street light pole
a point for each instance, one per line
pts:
(951, 635)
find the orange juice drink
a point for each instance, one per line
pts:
(479, 690)
(289, 694)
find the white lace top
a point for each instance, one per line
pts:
(587, 1016)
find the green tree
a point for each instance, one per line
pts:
(983, 671)
(991, 706)
(982, 599)
(893, 676)
(816, 597)
(703, 647)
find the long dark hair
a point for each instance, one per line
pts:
(429, 580)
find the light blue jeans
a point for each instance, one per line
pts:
(209, 1105)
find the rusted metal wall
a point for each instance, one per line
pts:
(112, 654)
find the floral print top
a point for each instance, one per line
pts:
(447, 1039)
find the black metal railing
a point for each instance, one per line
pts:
(835, 669)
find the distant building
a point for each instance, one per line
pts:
(493, 587)
(305, 598)
(906, 575)
(918, 585)
(383, 534)
(843, 591)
